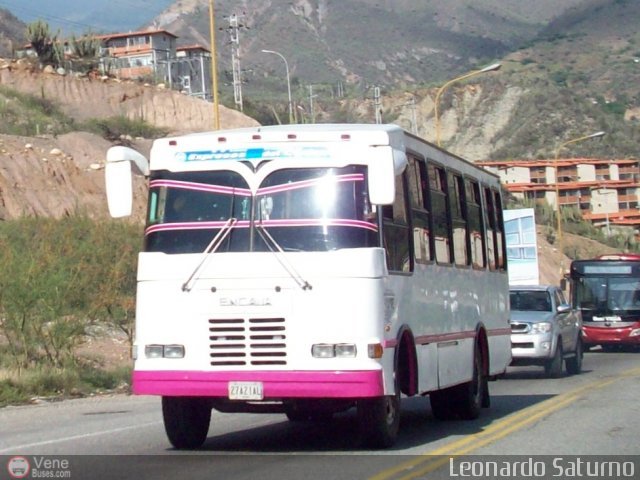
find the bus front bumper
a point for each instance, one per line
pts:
(628, 335)
(274, 384)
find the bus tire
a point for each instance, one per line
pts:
(441, 403)
(186, 421)
(574, 364)
(379, 420)
(463, 401)
(469, 396)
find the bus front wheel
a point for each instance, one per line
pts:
(379, 420)
(186, 421)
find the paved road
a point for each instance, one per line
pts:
(596, 412)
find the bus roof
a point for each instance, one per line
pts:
(371, 134)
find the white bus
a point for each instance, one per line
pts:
(309, 269)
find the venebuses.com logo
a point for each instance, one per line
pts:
(38, 467)
(18, 467)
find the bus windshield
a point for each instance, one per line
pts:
(311, 209)
(603, 295)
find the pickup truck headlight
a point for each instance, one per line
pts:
(541, 327)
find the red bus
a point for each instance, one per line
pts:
(606, 289)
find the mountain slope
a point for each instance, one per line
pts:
(12, 33)
(367, 41)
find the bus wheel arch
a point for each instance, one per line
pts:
(482, 345)
(406, 363)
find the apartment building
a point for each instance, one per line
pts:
(607, 192)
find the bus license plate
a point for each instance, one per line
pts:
(245, 391)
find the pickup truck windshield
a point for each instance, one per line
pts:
(315, 209)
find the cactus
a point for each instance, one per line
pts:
(47, 47)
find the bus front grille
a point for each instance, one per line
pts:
(247, 341)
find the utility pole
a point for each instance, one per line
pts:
(377, 102)
(311, 96)
(234, 40)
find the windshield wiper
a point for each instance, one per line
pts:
(211, 248)
(271, 242)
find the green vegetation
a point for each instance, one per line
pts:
(115, 128)
(60, 281)
(31, 115)
(45, 43)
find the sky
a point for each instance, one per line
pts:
(73, 16)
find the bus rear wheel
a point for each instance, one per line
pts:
(186, 421)
(463, 401)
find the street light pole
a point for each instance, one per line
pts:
(558, 211)
(490, 68)
(214, 68)
(286, 66)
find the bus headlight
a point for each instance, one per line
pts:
(173, 351)
(323, 350)
(332, 350)
(346, 350)
(153, 351)
(164, 351)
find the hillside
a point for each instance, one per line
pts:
(568, 67)
(46, 175)
(12, 33)
(365, 42)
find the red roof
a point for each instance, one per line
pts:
(135, 34)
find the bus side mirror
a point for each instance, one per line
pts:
(385, 163)
(121, 162)
(563, 284)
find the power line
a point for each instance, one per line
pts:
(18, 8)
(13, 8)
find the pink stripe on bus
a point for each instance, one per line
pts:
(203, 187)
(296, 384)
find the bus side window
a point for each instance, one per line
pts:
(476, 225)
(440, 215)
(491, 228)
(418, 193)
(396, 230)
(458, 219)
(500, 234)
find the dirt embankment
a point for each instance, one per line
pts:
(57, 176)
(100, 97)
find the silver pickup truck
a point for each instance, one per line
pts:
(545, 330)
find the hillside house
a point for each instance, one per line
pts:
(192, 70)
(140, 54)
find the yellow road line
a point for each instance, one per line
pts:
(434, 459)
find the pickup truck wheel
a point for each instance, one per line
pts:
(553, 367)
(574, 364)
(186, 421)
